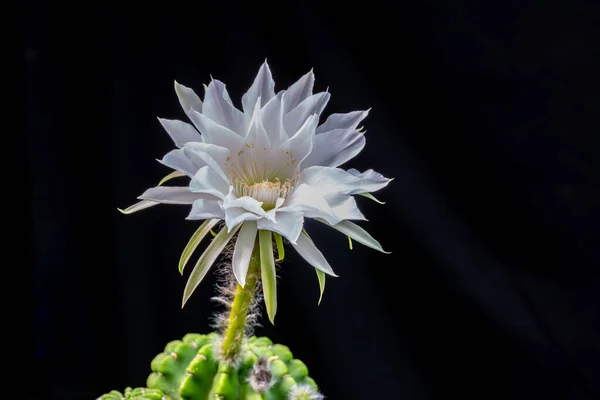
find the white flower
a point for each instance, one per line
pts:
(265, 168)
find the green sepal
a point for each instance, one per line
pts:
(321, 277)
(280, 248)
(194, 241)
(357, 233)
(268, 275)
(206, 261)
(370, 196)
(139, 206)
(174, 174)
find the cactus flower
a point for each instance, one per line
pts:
(263, 170)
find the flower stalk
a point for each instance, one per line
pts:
(236, 322)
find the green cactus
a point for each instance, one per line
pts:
(229, 365)
(191, 369)
(136, 394)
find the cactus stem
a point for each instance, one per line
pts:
(236, 322)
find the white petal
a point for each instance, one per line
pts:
(333, 148)
(298, 92)
(342, 121)
(263, 88)
(218, 107)
(301, 144)
(359, 234)
(307, 249)
(344, 207)
(243, 251)
(214, 133)
(374, 178)
(206, 208)
(241, 209)
(271, 215)
(171, 195)
(246, 202)
(272, 120)
(188, 99)
(179, 161)
(315, 104)
(212, 155)
(327, 180)
(234, 216)
(287, 224)
(208, 181)
(278, 203)
(308, 201)
(257, 136)
(181, 132)
(139, 206)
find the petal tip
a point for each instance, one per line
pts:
(178, 86)
(332, 274)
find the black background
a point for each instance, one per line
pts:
(485, 113)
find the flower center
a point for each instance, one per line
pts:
(262, 174)
(267, 192)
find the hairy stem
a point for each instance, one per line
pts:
(236, 322)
